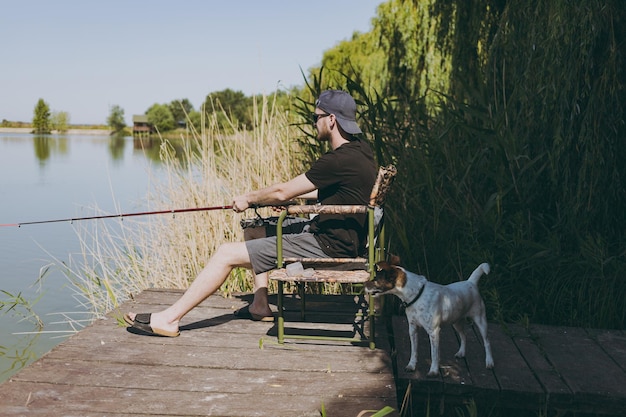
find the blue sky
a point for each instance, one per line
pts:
(82, 57)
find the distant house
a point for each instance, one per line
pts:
(141, 125)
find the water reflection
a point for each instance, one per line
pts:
(151, 148)
(45, 146)
(116, 147)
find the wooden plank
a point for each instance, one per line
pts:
(613, 342)
(170, 354)
(41, 399)
(557, 393)
(591, 374)
(323, 276)
(195, 336)
(483, 383)
(154, 297)
(195, 348)
(454, 372)
(518, 386)
(403, 351)
(218, 380)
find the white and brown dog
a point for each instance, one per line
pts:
(431, 306)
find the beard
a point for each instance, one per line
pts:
(323, 136)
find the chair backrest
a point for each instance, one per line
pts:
(381, 188)
(383, 182)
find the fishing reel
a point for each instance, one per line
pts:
(258, 221)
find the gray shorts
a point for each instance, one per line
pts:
(297, 243)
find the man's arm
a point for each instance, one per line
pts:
(309, 196)
(275, 194)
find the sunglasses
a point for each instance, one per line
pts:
(317, 116)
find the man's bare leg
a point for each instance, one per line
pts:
(260, 305)
(209, 280)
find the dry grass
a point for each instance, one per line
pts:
(123, 258)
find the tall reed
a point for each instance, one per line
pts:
(515, 158)
(119, 259)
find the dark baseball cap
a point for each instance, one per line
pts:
(343, 106)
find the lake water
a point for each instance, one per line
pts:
(55, 177)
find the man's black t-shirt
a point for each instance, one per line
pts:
(343, 176)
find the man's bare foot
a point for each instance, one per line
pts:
(247, 313)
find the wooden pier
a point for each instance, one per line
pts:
(220, 366)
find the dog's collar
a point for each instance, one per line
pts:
(410, 303)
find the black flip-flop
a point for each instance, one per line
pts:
(140, 324)
(244, 313)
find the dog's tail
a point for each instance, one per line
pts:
(478, 272)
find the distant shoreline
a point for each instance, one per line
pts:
(102, 132)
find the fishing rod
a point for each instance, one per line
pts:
(120, 215)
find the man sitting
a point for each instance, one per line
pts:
(344, 175)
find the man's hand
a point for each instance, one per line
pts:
(275, 194)
(240, 203)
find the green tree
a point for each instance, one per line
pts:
(194, 119)
(357, 59)
(160, 116)
(41, 119)
(116, 119)
(60, 121)
(236, 105)
(181, 109)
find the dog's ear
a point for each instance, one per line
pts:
(393, 259)
(389, 276)
(382, 265)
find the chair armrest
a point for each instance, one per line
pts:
(326, 209)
